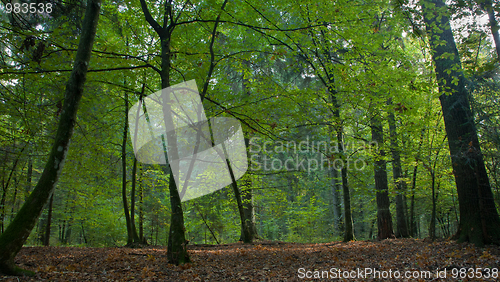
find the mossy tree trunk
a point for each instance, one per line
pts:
(20, 228)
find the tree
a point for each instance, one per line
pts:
(397, 175)
(19, 229)
(132, 236)
(487, 5)
(384, 218)
(479, 220)
(177, 243)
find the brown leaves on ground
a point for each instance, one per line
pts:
(267, 261)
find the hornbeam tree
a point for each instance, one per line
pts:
(479, 220)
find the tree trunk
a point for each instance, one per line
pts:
(397, 171)
(432, 226)
(348, 223)
(246, 194)
(487, 5)
(413, 222)
(29, 175)
(46, 237)
(130, 237)
(337, 213)
(5, 187)
(19, 229)
(136, 238)
(67, 235)
(479, 220)
(384, 218)
(248, 211)
(247, 234)
(177, 249)
(141, 212)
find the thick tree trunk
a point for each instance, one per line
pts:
(248, 212)
(19, 229)
(397, 175)
(479, 221)
(384, 218)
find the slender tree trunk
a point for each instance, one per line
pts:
(62, 227)
(19, 229)
(2, 206)
(479, 220)
(177, 244)
(14, 199)
(130, 236)
(46, 241)
(487, 5)
(29, 175)
(432, 226)
(67, 234)
(176, 249)
(245, 224)
(337, 213)
(141, 213)
(413, 222)
(384, 218)
(5, 186)
(246, 194)
(348, 223)
(397, 171)
(136, 238)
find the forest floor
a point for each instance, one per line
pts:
(408, 259)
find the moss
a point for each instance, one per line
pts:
(9, 268)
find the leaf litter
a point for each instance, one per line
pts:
(262, 261)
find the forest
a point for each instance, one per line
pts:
(350, 135)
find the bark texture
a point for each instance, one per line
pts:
(479, 221)
(384, 218)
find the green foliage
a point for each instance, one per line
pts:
(276, 66)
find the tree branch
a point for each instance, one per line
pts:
(152, 22)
